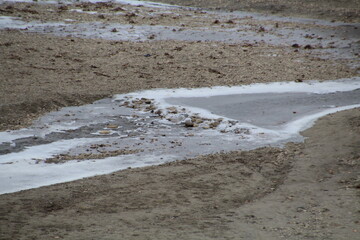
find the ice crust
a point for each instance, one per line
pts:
(26, 169)
(130, 2)
(161, 95)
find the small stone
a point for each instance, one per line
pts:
(158, 112)
(261, 29)
(189, 123)
(214, 124)
(172, 110)
(113, 126)
(105, 132)
(199, 120)
(117, 9)
(300, 209)
(151, 107)
(63, 8)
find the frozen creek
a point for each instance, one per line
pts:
(156, 126)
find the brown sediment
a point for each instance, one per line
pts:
(41, 73)
(303, 191)
(86, 156)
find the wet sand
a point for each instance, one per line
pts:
(304, 191)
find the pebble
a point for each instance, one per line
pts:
(189, 123)
(172, 110)
(104, 132)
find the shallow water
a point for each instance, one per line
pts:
(269, 110)
(225, 119)
(123, 123)
(239, 34)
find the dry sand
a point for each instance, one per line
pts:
(304, 191)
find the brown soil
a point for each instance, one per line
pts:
(56, 72)
(304, 191)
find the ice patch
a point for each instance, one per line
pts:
(347, 84)
(161, 95)
(31, 154)
(130, 122)
(165, 99)
(10, 136)
(306, 122)
(82, 11)
(126, 32)
(23, 175)
(17, 23)
(129, 2)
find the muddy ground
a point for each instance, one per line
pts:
(304, 191)
(333, 10)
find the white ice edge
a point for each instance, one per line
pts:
(45, 151)
(82, 11)
(160, 96)
(314, 86)
(17, 23)
(128, 2)
(306, 122)
(11, 135)
(19, 170)
(26, 176)
(319, 87)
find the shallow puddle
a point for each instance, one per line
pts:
(156, 126)
(240, 33)
(269, 110)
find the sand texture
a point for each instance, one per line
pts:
(306, 190)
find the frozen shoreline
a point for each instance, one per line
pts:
(157, 129)
(24, 168)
